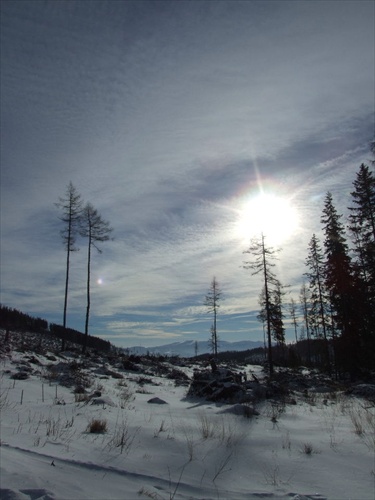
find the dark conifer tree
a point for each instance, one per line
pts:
(340, 284)
(277, 315)
(362, 224)
(362, 230)
(318, 297)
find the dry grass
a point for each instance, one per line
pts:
(97, 426)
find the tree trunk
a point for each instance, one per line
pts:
(268, 312)
(88, 297)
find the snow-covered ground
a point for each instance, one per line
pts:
(320, 448)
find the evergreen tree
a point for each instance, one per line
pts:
(71, 207)
(96, 230)
(318, 298)
(362, 230)
(362, 225)
(277, 316)
(340, 285)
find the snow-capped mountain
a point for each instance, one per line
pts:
(187, 348)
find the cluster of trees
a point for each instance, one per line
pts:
(83, 220)
(12, 319)
(337, 296)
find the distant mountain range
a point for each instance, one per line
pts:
(187, 348)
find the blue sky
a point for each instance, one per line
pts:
(170, 117)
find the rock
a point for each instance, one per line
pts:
(157, 401)
(239, 409)
(103, 400)
(227, 392)
(364, 390)
(22, 375)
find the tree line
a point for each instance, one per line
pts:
(12, 319)
(336, 310)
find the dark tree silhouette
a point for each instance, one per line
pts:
(340, 285)
(211, 301)
(261, 264)
(277, 315)
(319, 301)
(71, 207)
(96, 230)
(362, 225)
(362, 230)
(294, 317)
(304, 297)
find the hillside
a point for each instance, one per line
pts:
(109, 427)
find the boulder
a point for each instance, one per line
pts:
(157, 401)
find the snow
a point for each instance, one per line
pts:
(188, 448)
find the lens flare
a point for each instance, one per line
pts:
(267, 213)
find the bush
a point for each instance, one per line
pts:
(97, 426)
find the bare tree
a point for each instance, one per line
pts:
(96, 230)
(212, 303)
(293, 315)
(71, 207)
(262, 264)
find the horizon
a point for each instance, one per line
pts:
(181, 122)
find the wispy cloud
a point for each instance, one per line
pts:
(167, 116)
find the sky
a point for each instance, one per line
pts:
(171, 118)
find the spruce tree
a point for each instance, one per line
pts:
(340, 284)
(362, 229)
(317, 314)
(277, 315)
(362, 225)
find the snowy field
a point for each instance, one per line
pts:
(320, 447)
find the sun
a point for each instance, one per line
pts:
(267, 213)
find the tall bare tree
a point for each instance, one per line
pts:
(293, 315)
(262, 264)
(71, 208)
(211, 301)
(96, 230)
(305, 298)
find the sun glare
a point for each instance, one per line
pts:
(272, 215)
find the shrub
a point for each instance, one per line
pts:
(97, 426)
(307, 448)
